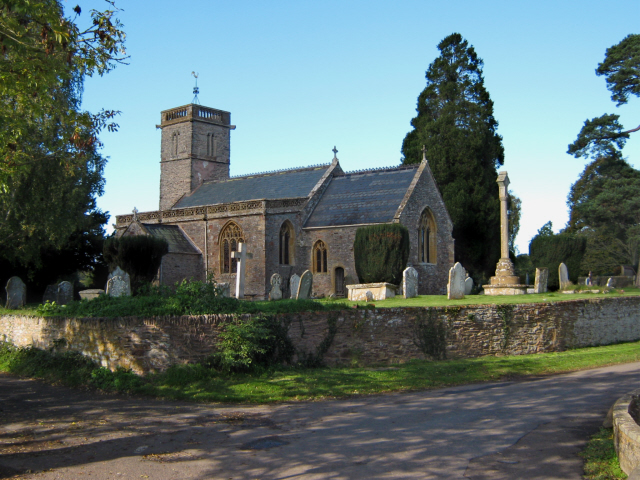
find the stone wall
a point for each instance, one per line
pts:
(364, 337)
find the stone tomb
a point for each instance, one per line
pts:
(455, 287)
(379, 291)
(304, 289)
(542, 278)
(91, 293)
(16, 293)
(276, 291)
(294, 283)
(410, 282)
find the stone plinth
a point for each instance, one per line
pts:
(380, 291)
(91, 293)
(505, 281)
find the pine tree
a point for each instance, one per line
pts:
(456, 125)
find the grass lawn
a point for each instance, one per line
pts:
(202, 384)
(600, 459)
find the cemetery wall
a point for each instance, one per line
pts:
(360, 336)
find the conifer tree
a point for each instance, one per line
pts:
(456, 125)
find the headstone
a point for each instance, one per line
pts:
(118, 272)
(455, 287)
(276, 292)
(65, 293)
(16, 293)
(542, 278)
(368, 296)
(610, 283)
(118, 287)
(241, 257)
(294, 282)
(410, 282)
(304, 289)
(468, 285)
(224, 288)
(50, 294)
(563, 273)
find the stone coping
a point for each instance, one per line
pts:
(372, 285)
(626, 433)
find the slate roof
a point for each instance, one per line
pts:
(283, 184)
(362, 197)
(174, 236)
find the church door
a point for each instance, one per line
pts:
(339, 279)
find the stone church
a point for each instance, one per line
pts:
(290, 220)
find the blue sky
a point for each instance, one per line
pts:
(300, 77)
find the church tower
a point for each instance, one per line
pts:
(195, 147)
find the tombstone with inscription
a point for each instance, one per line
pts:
(306, 282)
(610, 283)
(276, 291)
(118, 272)
(16, 293)
(468, 285)
(563, 273)
(294, 282)
(50, 294)
(118, 287)
(542, 278)
(65, 293)
(455, 287)
(410, 282)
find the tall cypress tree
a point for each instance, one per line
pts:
(456, 125)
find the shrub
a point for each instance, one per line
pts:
(551, 250)
(138, 255)
(381, 253)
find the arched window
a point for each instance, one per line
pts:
(428, 239)
(230, 237)
(174, 144)
(320, 257)
(286, 244)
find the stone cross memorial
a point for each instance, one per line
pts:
(16, 293)
(304, 289)
(241, 256)
(542, 278)
(294, 282)
(455, 287)
(563, 273)
(410, 282)
(276, 282)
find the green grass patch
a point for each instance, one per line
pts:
(203, 384)
(600, 459)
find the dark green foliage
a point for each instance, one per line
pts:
(252, 344)
(455, 123)
(138, 255)
(514, 211)
(551, 250)
(430, 335)
(546, 230)
(524, 266)
(381, 253)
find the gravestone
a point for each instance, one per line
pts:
(304, 289)
(410, 282)
(65, 293)
(276, 291)
(455, 287)
(468, 285)
(16, 293)
(118, 272)
(50, 294)
(241, 257)
(225, 289)
(610, 283)
(118, 287)
(368, 296)
(563, 273)
(294, 282)
(542, 278)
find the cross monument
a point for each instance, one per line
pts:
(241, 256)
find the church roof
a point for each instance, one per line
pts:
(175, 237)
(362, 197)
(282, 184)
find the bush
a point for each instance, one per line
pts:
(381, 253)
(551, 250)
(138, 255)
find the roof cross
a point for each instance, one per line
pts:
(424, 153)
(135, 214)
(335, 152)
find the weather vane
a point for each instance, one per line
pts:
(196, 90)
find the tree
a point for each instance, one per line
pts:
(50, 165)
(381, 253)
(551, 250)
(514, 211)
(456, 125)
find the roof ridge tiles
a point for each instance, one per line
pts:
(381, 169)
(272, 172)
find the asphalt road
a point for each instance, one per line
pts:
(529, 429)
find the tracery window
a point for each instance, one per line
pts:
(230, 237)
(428, 239)
(286, 244)
(320, 257)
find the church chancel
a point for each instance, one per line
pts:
(290, 220)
